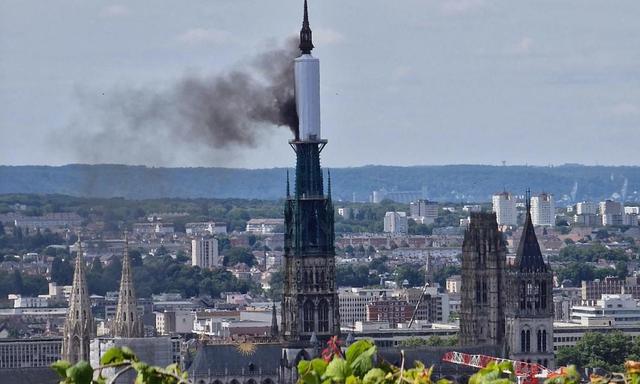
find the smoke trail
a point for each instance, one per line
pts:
(219, 111)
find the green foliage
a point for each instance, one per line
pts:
(164, 274)
(433, 341)
(494, 373)
(412, 273)
(122, 360)
(590, 253)
(357, 275)
(600, 350)
(357, 367)
(238, 255)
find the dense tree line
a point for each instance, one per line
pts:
(23, 284)
(155, 274)
(600, 350)
(17, 241)
(590, 253)
(578, 272)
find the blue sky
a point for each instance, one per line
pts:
(403, 82)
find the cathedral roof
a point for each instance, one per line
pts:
(528, 256)
(218, 358)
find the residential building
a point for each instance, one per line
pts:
(264, 226)
(423, 211)
(204, 253)
(454, 284)
(396, 222)
(609, 310)
(390, 310)
(353, 303)
(171, 322)
(504, 206)
(593, 290)
(611, 213)
(587, 208)
(208, 228)
(543, 210)
(39, 352)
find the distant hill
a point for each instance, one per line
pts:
(442, 183)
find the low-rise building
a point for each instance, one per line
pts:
(38, 352)
(264, 226)
(609, 310)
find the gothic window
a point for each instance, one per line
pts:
(539, 345)
(323, 316)
(530, 295)
(478, 293)
(484, 292)
(544, 341)
(523, 295)
(131, 316)
(307, 316)
(543, 295)
(124, 316)
(525, 340)
(537, 295)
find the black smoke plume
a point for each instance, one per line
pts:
(218, 111)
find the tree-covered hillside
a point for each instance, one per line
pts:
(442, 183)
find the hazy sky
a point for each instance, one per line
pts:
(403, 82)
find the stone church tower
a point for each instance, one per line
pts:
(483, 297)
(78, 327)
(127, 322)
(310, 299)
(529, 317)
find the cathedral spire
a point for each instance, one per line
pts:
(78, 327)
(529, 256)
(127, 322)
(306, 45)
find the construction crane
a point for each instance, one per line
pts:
(527, 373)
(415, 310)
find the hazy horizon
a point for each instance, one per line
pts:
(424, 82)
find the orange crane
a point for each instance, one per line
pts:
(527, 373)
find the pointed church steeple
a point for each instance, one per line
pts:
(127, 322)
(306, 45)
(78, 327)
(529, 256)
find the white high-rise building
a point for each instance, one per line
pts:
(586, 208)
(204, 252)
(396, 222)
(611, 212)
(543, 210)
(504, 206)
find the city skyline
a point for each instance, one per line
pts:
(447, 79)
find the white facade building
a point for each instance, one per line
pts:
(204, 252)
(504, 206)
(543, 210)
(353, 303)
(396, 222)
(264, 226)
(609, 310)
